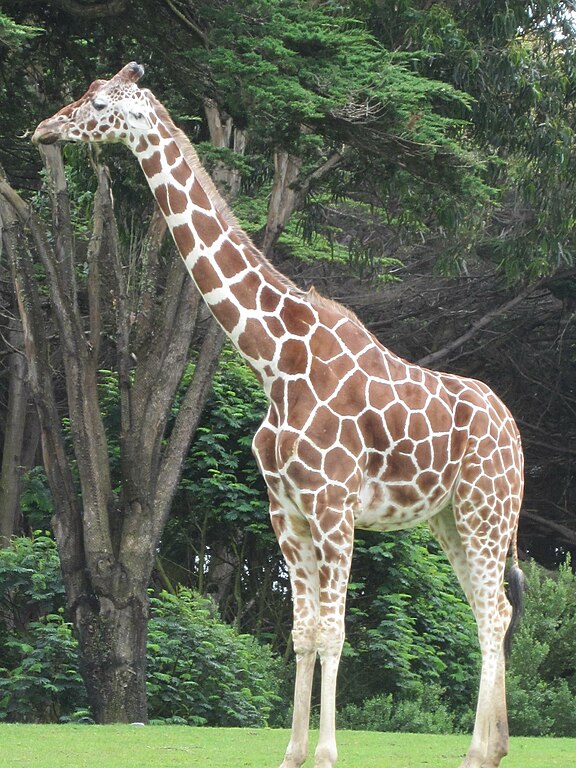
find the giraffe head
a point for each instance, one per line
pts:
(110, 111)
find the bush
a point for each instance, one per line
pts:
(202, 672)
(421, 711)
(542, 668)
(44, 685)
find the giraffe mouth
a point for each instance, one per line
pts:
(47, 138)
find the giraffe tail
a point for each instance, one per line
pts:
(515, 592)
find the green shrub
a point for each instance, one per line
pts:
(201, 671)
(541, 679)
(420, 711)
(44, 685)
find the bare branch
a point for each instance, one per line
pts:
(485, 320)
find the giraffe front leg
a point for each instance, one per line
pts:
(333, 533)
(294, 537)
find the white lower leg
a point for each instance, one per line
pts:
(297, 749)
(326, 752)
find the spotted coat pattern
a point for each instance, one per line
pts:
(355, 437)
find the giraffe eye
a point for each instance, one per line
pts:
(99, 104)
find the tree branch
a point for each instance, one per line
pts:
(485, 320)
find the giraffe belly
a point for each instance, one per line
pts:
(394, 506)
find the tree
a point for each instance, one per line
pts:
(108, 539)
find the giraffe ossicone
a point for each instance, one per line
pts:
(355, 437)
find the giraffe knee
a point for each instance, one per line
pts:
(304, 640)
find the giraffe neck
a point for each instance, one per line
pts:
(244, 292)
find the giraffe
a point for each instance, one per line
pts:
(354, 437)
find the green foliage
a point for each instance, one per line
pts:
(542, 668)
(39, 678)
(421, 711)
(220, 472)
(13, 35)
(30, 580)
(44, 685)
(409, 623)
(200, 671)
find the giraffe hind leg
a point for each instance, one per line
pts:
(480, 572)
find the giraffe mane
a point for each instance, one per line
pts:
(318, 300)
(220, 204)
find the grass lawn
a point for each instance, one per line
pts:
(91, 746)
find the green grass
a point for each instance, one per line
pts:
(85, 746)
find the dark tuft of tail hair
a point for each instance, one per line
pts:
(515, 591)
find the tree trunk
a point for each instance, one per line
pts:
(112, 632)
(12, 453)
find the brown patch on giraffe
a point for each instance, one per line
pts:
(480, 423)
(350, 398)
(463, 414)
(423, 454)
(309, 454)
(152, 165)
(297, 317)
(427, 480)
(177, 199)
(290, 550)
(230, 259)
(355, 337)
(199, 196)
(207, 227)
(373, 360)
(172, 152)
(374, 464)
(372, 430)
(184, 239)
(322, 379)
(329, 518)
(414, 396)
(324, 428)
(458, 443)
(301, 402)
(154, 139)
(399, 466)
(275, 327)
(161, 195)
(205, 275)
(338, 465)
(255, 342)
(277, 393)
(91, 124)
(227, 313)
(396, 417)
(182, 172)
(142, 145)
(418, 427)
(379, 394)
(350, 437)
(269, 299)
(164, 132)
(404, 495)
(343, 365)
(304, 477)
(247, 289)
(293, 357)
(440, 452)
(324, 344)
